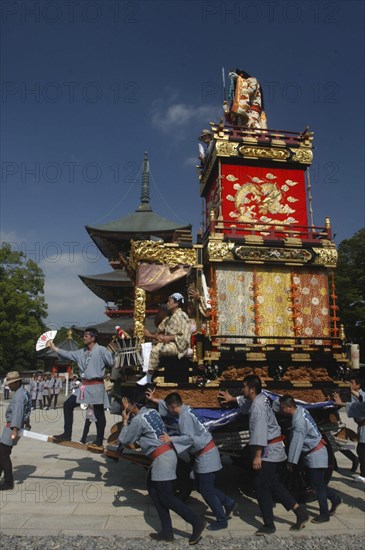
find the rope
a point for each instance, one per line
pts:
(164, 201)
(121, 199)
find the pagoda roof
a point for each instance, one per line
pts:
(114, 237)
(110, 287)
(142, 222)
(107, 328)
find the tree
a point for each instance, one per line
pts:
(22, 309)
(350, 287)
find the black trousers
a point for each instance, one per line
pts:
(68, 410)
(40, 402)
(5, 463)
(163, 497)
(361, 454)
(269, 488)
(50, 398)
(86, 430)
(324, 493)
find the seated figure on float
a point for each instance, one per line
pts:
(175, 338)
(246, 101)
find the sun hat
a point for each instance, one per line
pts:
(12, 376)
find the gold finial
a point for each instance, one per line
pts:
(342, 332)
(328, 223)
(212, 215)
(69, 334)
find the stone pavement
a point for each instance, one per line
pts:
(60, 490)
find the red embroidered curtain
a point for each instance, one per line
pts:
(263, 195)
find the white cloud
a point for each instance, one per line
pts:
(174, 118)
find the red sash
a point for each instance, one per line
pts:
(321, 444)
(160, 450)
(207, 448)
(276, 439)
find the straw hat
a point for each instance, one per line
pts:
(12, 376)
(205, 132)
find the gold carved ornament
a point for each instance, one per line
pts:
(126, 264)
(304, 156)
(139, 313)
(217, 252)
(149, 251)
(326, 256)
(272, 254)
(226, 149)
(264, 152)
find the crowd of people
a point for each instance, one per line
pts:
(44, 390)
(145, 419)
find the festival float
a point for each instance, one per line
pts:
(259, 280)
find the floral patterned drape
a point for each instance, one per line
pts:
(235, 302)
(277, 290)
(312, 303)
(274, 303)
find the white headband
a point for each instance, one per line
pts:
(178, 297)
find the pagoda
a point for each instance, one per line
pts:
(114, 240)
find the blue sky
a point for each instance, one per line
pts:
(88, 86)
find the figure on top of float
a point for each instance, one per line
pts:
(246, 102)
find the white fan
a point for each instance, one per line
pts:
(44, 339)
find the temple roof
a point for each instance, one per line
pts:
(142, 224)
(107, 328)
(110, 287)
(115, 237)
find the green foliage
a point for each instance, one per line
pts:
(350, 288)
(22, 309)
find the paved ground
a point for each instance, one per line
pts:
(60, 490)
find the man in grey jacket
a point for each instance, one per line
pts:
(147, 428)
(306, 439)
(194, 438)
(268, 453)
(15, 417)
(92, 360)
(54, 386)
